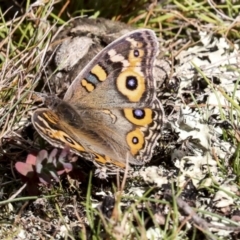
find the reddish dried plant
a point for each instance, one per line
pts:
(44, 167)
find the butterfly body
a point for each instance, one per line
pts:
(110, 113)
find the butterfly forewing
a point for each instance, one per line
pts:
(119, 76)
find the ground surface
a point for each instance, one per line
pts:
(190, 188)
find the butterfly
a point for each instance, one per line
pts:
(110, 114)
